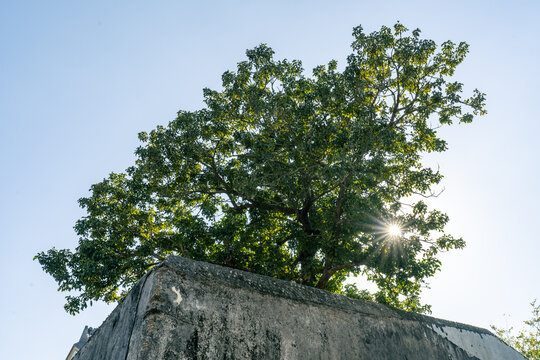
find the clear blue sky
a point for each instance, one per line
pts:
(79, 80)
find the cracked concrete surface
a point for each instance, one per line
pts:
(185, 309)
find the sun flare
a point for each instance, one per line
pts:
(394, 230)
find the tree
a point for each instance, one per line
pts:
(527, 342)
(292, 176)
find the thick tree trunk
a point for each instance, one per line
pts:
(325, 278)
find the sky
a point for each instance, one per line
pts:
(79, 80)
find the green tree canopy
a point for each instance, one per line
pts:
(292, 176)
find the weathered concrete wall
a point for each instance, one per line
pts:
(185, 309)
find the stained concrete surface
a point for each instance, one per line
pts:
(185, 309)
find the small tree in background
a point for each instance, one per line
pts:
(527, 341)
(297, 177)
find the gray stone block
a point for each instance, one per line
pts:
(185, 309)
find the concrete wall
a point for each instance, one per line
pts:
(185, 309)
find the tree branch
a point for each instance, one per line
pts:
(339, 205)
(330, 271)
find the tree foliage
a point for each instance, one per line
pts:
(287, 175)
(527, 341)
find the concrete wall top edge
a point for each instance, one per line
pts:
(204, 271)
